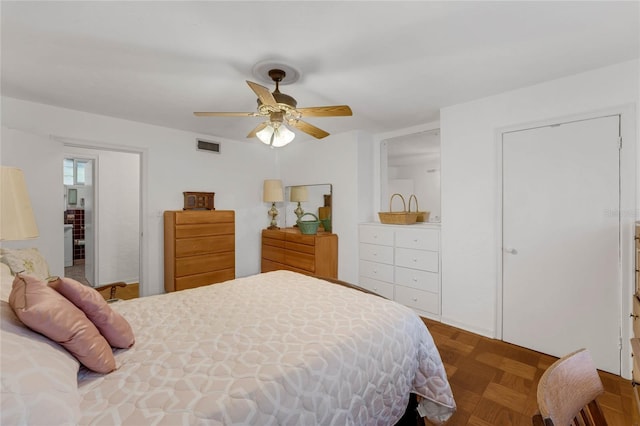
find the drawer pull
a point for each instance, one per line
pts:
(415, 280)
(415, 260)
(415, 299)
(415, 240)
(375, 289)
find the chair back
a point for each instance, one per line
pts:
(567, 392)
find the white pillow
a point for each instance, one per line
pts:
(38, 377)
(6, 282)
(28, 260)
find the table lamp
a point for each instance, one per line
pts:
(272, 193)
(298, 194)
(17, 221)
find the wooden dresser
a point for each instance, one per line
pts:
(199, 248)
(289, 249)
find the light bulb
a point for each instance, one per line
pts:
(264, 135)
(276, 135)
(282, 136)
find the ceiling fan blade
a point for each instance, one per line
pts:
(309, 128)
(263, 93)
(252, 134)
(326, 111)
(225, 114)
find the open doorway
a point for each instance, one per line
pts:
(108, 211)
(78, 181)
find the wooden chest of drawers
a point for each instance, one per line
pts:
(199, 248)
(291, 250)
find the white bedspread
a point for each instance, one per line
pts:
(272, 349)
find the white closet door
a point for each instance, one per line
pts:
(561, 274)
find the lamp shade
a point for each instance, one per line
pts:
(272, 192)
(298, 193)
(17, 221)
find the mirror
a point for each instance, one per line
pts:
(413, 167)
(72, 197)
(314, 199)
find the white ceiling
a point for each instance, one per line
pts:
(395, 63)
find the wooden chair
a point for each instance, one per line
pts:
(567, 393)
(112, 291)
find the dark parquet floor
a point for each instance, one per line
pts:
(494, 383)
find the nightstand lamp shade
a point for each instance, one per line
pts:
(299, 193)
(17, 221)
(272, 193)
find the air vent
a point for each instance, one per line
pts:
(209, 146)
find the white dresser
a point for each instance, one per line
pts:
(402, 263)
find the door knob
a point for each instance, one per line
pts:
(510, 250)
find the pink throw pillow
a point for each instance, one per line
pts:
(43, 310)
(113, 326)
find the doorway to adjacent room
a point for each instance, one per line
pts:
(105, 218)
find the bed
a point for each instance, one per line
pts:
(278, 348)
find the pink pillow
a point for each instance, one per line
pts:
(43, 310)
(110, 323)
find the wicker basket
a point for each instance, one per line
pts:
(422, 216)
(308, 227)
(398, 218)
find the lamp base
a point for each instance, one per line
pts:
(273, 212)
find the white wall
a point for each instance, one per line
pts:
(345, 161)
(41, 161)
(171, 165)
(470, 179)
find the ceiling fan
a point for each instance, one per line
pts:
(281, 109)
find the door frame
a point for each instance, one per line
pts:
(143, 156)
(626, 211)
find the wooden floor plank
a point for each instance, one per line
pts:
(494, 383)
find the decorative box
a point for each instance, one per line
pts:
(198, 200)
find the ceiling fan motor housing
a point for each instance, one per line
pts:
(277, 76)
(282, 98)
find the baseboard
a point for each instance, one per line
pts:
(481, 331)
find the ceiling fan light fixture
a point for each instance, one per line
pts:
(280, 108)
(276, 135)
